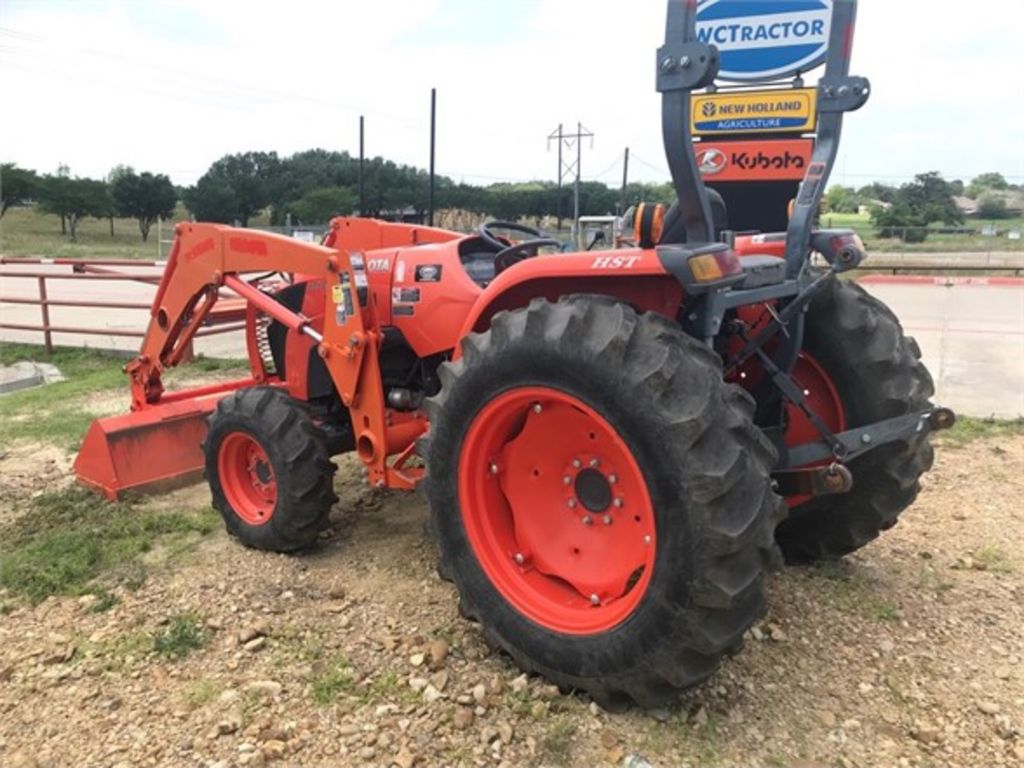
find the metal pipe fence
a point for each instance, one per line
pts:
(226, 320)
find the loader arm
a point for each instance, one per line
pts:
(204, 259)
(207, 258)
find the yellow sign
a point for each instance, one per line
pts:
(734, 112)
(336, 294)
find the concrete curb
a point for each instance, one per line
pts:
(1002, 282)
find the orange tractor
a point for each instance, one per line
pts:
(614, 445)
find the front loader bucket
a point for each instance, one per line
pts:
(146, 451)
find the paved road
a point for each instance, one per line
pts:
(971, 330)
(971, 333)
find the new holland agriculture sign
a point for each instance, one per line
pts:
(765, 39)
(789, 110)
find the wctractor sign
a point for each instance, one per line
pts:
(765, 39)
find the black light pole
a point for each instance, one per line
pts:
(362, 190)
(433, 127)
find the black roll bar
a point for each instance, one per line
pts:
(684, 64)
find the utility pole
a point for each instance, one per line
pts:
(558, 196)
(433, 127)
(570, 168)
(625, 181)
(362, 189)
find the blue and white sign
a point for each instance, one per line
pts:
(765, 39)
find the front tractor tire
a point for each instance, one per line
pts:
(876, 373)
(269, 470)
(601, 498)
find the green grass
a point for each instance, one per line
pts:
(853, 592)
(47, 413)
(27, 232)
(969, 428)
(389, 686)
(183, 635)
(556, 743)
(993, 558)
(74, 542)
(330, 679)
(202, 692)
(107, 600)
(936, 241)
(56, 413)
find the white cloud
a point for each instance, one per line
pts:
(170, 86)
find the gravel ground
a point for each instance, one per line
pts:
(908, 653)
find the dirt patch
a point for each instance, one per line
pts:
(908, 653)
(31, 468)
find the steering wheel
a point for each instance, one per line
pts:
(507, 255)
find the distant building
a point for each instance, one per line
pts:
(966, 205)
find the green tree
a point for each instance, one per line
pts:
(104, 206)
(840, 199)
(250, 176)
(986, 181)
(992, 206)
(72, 199)
(320, 205)
(144, 197)
(16, 186)
(923, 201)
(930, 196)
(885, 193)
(212, 199)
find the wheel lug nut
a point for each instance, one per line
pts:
(577, 463)
(595, 600)
(594, 462)
(537, 408)
(588, 520)
(493, 469)
(618, 502)
(572, 503)
(613, 478)
(519, 558)
(607, 519)
(566, 480)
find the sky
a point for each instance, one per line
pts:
(170, 85)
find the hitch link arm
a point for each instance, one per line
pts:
(860, 440)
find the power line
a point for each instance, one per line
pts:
(570, 167)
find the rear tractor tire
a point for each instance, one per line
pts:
(601, 498)
(269, 470)
(877, 374)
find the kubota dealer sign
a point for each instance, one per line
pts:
(753, 160)
(765, 40)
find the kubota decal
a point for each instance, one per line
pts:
(248, 245)
(428, 273)
(711, 161)
(378, 265)
(203, 246)
(771, 160)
